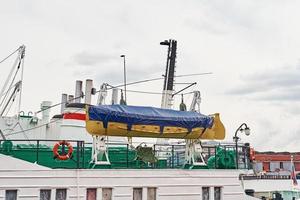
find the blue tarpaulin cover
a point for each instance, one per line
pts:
(138, 115)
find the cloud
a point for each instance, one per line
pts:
(105, 67)
(91, 59)
(117, 76)
(278, 84)
(223, 17)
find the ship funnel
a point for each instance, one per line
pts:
(64, 99)
(45, 107)
(114, 98)
(78, 91)
(71, 99)
(88, 91)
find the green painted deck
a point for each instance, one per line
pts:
(120, 157)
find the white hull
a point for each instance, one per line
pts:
(170, 184)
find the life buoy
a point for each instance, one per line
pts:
(64, 156)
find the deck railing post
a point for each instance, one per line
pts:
(127, 159)
(172, 156)
(37, 151)
(78, 162)
(156, 163)
(82, 153)
(215, 157)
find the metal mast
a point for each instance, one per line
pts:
(167, 94)
(11, 86)
(168, 88)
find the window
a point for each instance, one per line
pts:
(61, 194)
(151, 193)
(106, 193)
(266, 166)
(11, 195)
(137, 193)
(217, 193)
(205, 193)
(45, 194)
(91, 194)
(281, 165)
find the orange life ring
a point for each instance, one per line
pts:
(62, 157)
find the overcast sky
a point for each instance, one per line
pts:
(252, 48)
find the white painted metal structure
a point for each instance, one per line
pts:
(174, 184)
(102, 94)
(193, 148)
(64, 100)
(114, 98)
(78, 91)
(72, 129)
(45, 105)
(167, 99)
(196, 102)
(88, 91)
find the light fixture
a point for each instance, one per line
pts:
(246, 130)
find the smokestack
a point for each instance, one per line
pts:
(78, 91)
(64, 99)
(71, 99)
(114, 98)
(88, 91)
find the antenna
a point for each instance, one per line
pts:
(168, 88)
(124, 63)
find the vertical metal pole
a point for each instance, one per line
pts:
(245, 157)
(236, 153)
(172, 156)
(78, 154)
(155, 154)
(22, 55)
(125, 80)
(127, 161)
(37, 151)
(236, 139)
(82, 154)
(215, 157)
(124, 63)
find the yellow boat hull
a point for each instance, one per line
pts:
(96, 128)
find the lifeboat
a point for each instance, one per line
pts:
(138, 121)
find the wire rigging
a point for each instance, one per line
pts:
(121, 85)
(4, 59)
(111, 87)
(11, 83)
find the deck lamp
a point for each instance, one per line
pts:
(242, 128)
(166, 42)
